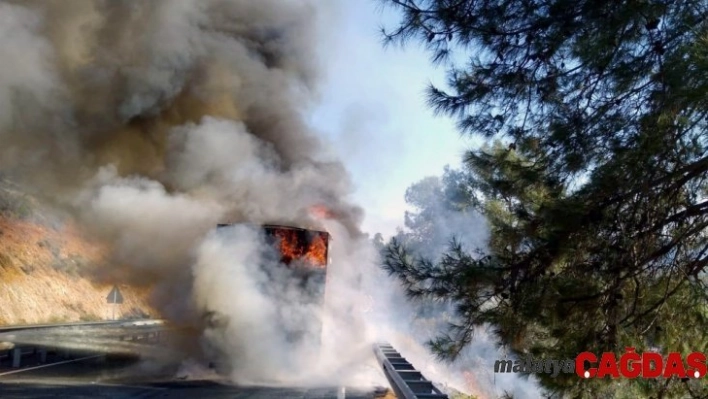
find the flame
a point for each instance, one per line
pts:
(317, 251)
(289, 248)
(292, 247)
(472, 384)
(321, 212)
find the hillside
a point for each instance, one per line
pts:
(44, 265)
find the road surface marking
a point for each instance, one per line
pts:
(49, 365)
(102, 384)
(342, 393)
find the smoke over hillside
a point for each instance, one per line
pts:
(150, 122)
(146, 87)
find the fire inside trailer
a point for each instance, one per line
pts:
(297, 247)
(304, 253)
(308, 247)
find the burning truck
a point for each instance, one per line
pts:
(296, 262)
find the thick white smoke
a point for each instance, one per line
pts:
(259, 302)
(433, 222)
(151, 122)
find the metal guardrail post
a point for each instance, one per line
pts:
(16, 357)
(406, 381)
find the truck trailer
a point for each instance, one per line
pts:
(302, 255)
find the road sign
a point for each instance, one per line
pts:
(115, 296)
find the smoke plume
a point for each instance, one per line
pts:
(439, 214)
(152, 121)
(149, 122)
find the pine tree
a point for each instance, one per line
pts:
(597, 200)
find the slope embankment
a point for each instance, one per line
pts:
(45, 265)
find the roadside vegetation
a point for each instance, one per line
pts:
(46, 268)
(592, 180)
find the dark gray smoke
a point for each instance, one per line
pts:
(88, 83)
(151, 121)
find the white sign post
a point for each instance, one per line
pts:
(115, 298)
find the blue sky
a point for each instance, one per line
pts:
(373, 112)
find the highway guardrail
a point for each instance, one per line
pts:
(405, 380)
(149, 331)
(4, 329)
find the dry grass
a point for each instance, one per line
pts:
(388, 395)
(41, 276)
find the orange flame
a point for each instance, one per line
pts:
(289, 250)
(472, 384)
(317, 251)
(293, 248)
(321, 212)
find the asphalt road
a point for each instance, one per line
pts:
(192, 389)
(80, 368)
(91, 376)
